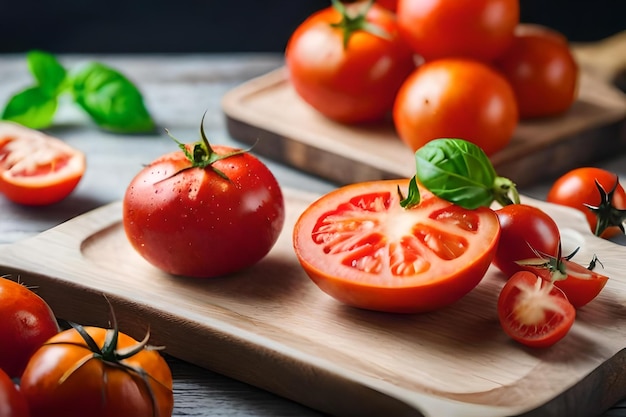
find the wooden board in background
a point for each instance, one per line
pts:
(268, 110)
(272, 327)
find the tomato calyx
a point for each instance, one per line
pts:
(351, 24)
(201, 155)
(606, 213)
(111, 356)
(556, 265)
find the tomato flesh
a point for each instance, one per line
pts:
(37, 169)
(534, 312)
(359, 246)
(581, 285)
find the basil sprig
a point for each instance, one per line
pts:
(460, 172)
(112, 101)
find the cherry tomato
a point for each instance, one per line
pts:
(456, 98)
(67, 378)
(353, 82)
(577, 189)
(27, 322)
(477, 29)
(203, 221)
(362, 248)
(581, 285)
(524, 229)
(37, 169)
(543, 72)
(12, 402)
(534, 312)
(388, 4)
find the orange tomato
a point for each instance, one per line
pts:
(68, 378)
(456, 98)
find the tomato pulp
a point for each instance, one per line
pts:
(37, 169)
(361, 247)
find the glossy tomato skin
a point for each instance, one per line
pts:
(193, 222)
(388, 4)
(477, 29)
(581, 285)
(542, 71)
(37, 169)
(12, 402)
(355, 84)
(456, 98)
(577, 187)
(361, 248)
(27, 322)
(534, 312)
(523, 227)
(95, 388)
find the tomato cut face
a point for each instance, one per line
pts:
(37, 169)
(533, 311)
(361, 247)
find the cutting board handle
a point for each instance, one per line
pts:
(605, 58)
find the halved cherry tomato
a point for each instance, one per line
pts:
(27, 322)
(534, 312)
(542, 71)
(581, 285)
(347, 67)
(476, 29)
(456, 98)
(37, 169)
(577, 189)
(524, 230)
(362, 248)
(12, 402)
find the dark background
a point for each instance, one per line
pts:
(125, 26)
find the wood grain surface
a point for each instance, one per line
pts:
(267, 111)
(271, 327)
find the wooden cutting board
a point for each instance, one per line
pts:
(272, 327)
(267, 111)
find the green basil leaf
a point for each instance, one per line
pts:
(48, 72)
(111, 100)
(457, 171)
(32, 108)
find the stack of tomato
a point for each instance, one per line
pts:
(46, 372)
(442, 68)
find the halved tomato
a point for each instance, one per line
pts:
(534, 312)
(37, 169)
(580, 286)
(361, 247)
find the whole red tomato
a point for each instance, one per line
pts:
(349, 63)
(542, 70)
(360, 246)
(12, 402)
(204, 212)
(67, 377)
(456, 98)
(477, 29)
(37, 169)
(27, 322)
(524, 229)
(578, 189)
